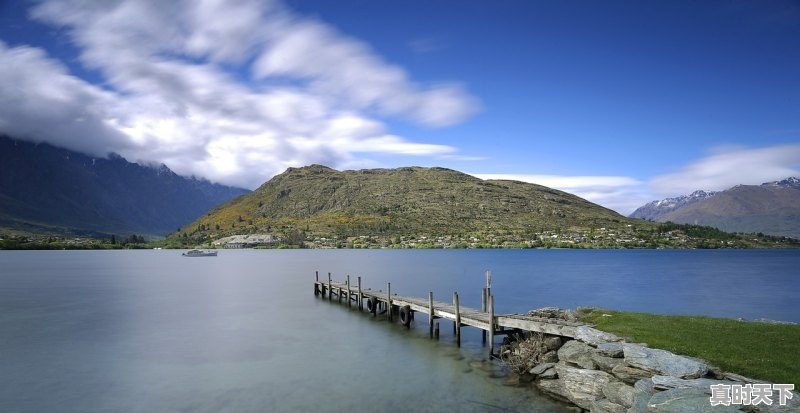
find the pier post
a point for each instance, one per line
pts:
(360, 296)
(436, 331)
(330, 290)
(483, 309)
(317, 275)
(491, 326)
(389, 301)
(458, 319)
(348, 291)
(430, 314)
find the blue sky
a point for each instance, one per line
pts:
(618, 102)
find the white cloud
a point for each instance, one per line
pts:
(620, 193)
(727, 167)
(176, 89)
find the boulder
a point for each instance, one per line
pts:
(541, 368)
(594, 336)
(550, 373)
(663, 362)
(669, 382)
(606, 364)
(642, 391)
(685, 401)
(610, 349)
(549, 357)
(630, 374)
(606, 406)
(577, 353)
(552, 342)
(582, 386)
(619, 393)
(549, 312)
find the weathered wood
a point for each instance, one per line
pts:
(491, 326)
(348, 291)
(317, 275)
(330, 290)
(483, 309)
(389, 301)
(360, 296)
(430, 312)
(436, 331)
(457, 320)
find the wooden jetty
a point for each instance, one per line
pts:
(404, 308)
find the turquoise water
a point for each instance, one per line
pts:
(151, 331)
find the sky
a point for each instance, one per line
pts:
(619, 102)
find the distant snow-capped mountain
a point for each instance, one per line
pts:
(771, 208)
(655, 209)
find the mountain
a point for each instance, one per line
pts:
(770, 208)
(46, 189)
(655, 209)
(433, 207)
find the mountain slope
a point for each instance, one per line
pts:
(655, 209)
(53, 190)
(771, 208)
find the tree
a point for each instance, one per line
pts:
(113, 240)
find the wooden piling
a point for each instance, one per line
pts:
(483, 309)
(430, 312)
(360, 296)
(436, 331)
(317, 275)
(389, 301)
(491, 326)
(348, 291)
(330, 290)
(458, 319)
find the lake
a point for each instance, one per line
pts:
(151, 331)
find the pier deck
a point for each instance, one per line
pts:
(378, 301)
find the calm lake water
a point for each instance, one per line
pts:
(151, 331)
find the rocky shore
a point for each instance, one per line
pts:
(602, 373)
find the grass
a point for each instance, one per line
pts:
(768, 352)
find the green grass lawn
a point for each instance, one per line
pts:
(762, 351)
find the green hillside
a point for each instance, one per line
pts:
(425, 207)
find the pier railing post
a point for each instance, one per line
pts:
(491, 326)
(360, 296)
(430, 314)
(457, 322)
(330, 290)
(483, 309)
(389, 301)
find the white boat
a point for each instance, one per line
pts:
(199, 253)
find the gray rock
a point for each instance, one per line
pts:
(549, 312)
(554, 388)
(577, 353)
(610, 349)
(552, 342)
(740, 378)
(539, 369)
(619, 393)
(684, 401)
(582, 386)
(606, 364)
(630, 374)
(663, 362)
(550, 373)
(594, 336)
(669, 382)
(549, 357)
(606, 406)
(642, 391)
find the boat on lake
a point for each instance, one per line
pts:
(199, 253)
